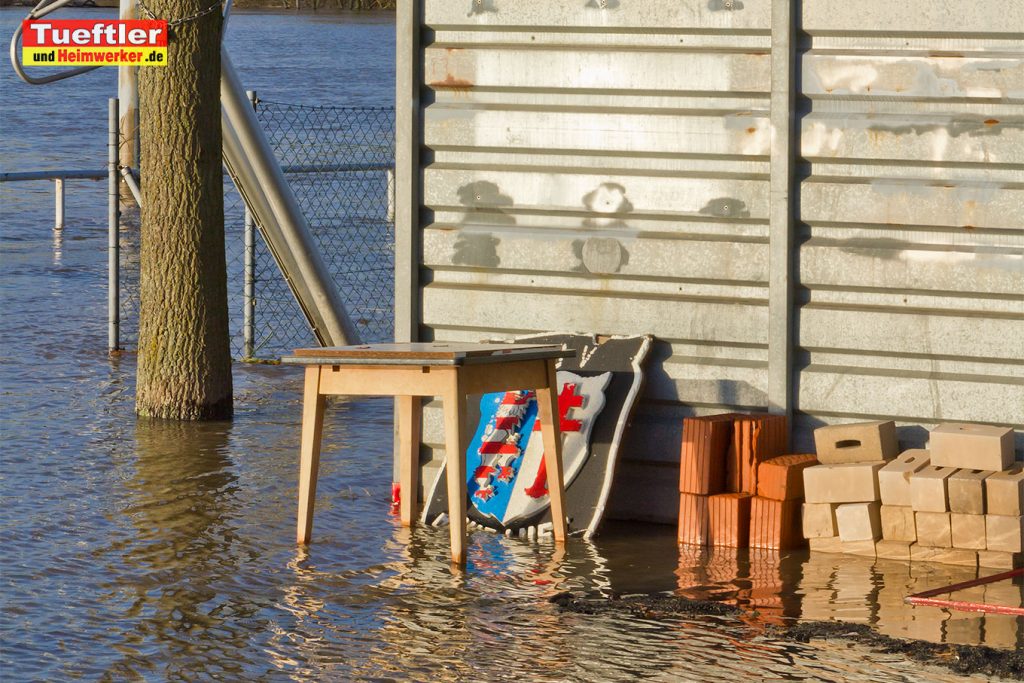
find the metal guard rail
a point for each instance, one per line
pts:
(38, 12)
(99, 174)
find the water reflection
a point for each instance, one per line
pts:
(779, 589)
(182, 557)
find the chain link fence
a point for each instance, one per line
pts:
(338, 162)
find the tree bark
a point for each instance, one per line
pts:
(184, 369)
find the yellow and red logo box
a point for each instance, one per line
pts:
(94, 42)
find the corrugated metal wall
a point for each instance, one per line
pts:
(911, 265)
(603, 166)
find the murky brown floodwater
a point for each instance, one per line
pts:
(140, 550)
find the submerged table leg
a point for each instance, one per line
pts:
(313, 403)
(547, 409)
(409, 415)
(455, 464)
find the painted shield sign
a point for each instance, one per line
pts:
(506, 476)
(505, 459)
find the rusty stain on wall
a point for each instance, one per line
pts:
(954, 127)
(458, 85)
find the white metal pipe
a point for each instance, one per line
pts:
(133, 184)
(58, 211)
(113, 235)
(249, 274)
(261, 182)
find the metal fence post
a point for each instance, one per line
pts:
(113, 235)
(58, 210)
(249, 274)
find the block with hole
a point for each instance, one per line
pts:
(856, 442)
(894, 478)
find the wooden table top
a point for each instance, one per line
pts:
(425, 353)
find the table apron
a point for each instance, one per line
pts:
(384, 380)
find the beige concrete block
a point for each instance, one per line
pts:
(933, 529)
(1004, 534)
(971, 446)
(893, 550)
(898, 523)
(859, 442)
(862, 548)
(846, 483)
(928, 491)
(894, 478)
(967, 531)
(859, 522)
(825, 545)
(1000, 560)
(1004, 491)
(966, 489)
(957, 556)
(819, 520)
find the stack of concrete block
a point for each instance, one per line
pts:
(966, 501)
(842, 513)
(899, 528)
(984, 496)
(929, 499)
(718, 475)
(960, 502)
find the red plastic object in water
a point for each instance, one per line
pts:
(396, 497)
(927, 598)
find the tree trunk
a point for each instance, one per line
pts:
(184, 370)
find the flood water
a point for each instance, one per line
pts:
(142, 550)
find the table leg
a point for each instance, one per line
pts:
(547, 411)
(409, 416)
(455, 444)
(313, 403)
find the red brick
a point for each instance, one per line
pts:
(775, 524)
(729, 519)
(702, 461)
(755, 438)
(693, 519)
(782, 478)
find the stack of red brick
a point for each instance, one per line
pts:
(736, 488)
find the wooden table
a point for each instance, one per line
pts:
(451, 371)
